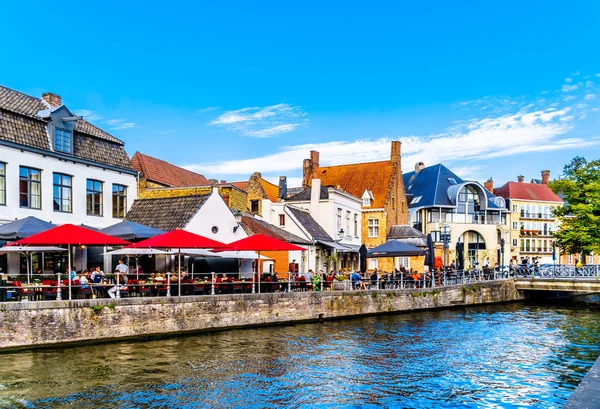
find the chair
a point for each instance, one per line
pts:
(237, 288)
(134, 287)
(144, 290)
(20, 291)
(50, 293)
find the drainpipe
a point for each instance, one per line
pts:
(138, 185)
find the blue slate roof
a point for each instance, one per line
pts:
(436, 186)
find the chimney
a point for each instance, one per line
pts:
(309, 168)
(53, 99)
(395, 156)
(223, 182)
(282, 188)
(257, 174)
(545, 177)
(315, 196)
(419, 166)
(489, 185)
(520, 178)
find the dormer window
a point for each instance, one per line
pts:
(63, 141)
(366, 201)
(367, 197)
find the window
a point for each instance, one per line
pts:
(403, 262)
(515, 242)
(373, 225)
(355, 225)
(515, 226)
(339, 219)
(373, 263)
(62, 141)
(2, 184)
(416, 200)
(452, 181)
(119, 201)
(214, 229)
(366, 201)
(515, 208)
(570, 259)
(94, 197)
(62, 193)
(254, 206)
(282, 219)
(436, 236)
(30, 188)
(347, 222)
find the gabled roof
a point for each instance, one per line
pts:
(240, 185)
(167, 213)
(434, 186)
(165, 173)
(20, 124)
(355, 178)
(252, 225)
(271, 190)
(407, 234)
(527, 191)
(310, 225)
(305, 194)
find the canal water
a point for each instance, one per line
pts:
(502, 356)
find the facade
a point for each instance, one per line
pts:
(532, 222)
(259, 189)
(477, 220)
(380, 187)
(328, 218)
(58, 167)
(161, 179)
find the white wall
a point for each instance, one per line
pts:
(80, 173)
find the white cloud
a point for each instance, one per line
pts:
(589, 97)
(569, 98)
(88, 115)
(262, 122)
(472, 141)
(569, 88)
(568, 80)
(117, 124)
(207, 109)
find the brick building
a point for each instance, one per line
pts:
(161, 179)
(258, 189)
(378, 184)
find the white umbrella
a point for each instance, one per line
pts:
(136, 252)
(27, 251)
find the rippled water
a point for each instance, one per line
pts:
(491, 357)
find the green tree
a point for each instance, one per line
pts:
(579, 218)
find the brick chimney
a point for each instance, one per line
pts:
(489, 185)
(53, 99)
(282, 194)
(545, 177)
(309, 168)
(395, 156)
(520, 178)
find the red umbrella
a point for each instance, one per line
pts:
(178, 239)
(258, 243)
(70, 235)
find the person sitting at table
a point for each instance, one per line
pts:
(97, 275)
(83, 280)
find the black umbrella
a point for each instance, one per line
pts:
(22, 228)
(363, 258)
(430, 259)
(460, 260)
(127, 230)
(395, 248)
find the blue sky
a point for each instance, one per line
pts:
(228, 88)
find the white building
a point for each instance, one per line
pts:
(57, 167)
(330, 218)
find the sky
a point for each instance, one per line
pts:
(490, 89)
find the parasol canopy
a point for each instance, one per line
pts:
(70, 235)
(260, 242)
(178, 239)
(395, 248)
(22, 228)
(127, 230)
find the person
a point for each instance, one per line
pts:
(453, 265)
(97, 275)
(83, 280)
(120, 278)
(316, 280)
(374, 279)
(356, 279)
(72, 274)
(578, 265)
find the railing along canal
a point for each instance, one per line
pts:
(557, 271)
(55, 287)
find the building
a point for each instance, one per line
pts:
(327, 217)
(476, 219)
(380, 187)
(207, 215)
(160, 179)
(58, 167)
(259, 189)
(279, 262)
(532, 222)
(409, 235)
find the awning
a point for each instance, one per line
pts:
(341, 248)
(395, 248)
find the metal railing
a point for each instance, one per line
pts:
(55, 287)
(557, 271)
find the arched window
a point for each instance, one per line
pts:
(468, 204)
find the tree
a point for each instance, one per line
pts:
(579, 218)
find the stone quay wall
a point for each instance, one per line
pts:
(38, 324)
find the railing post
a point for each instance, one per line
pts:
(58, 290)
(212, 284)
(289, 282)
(168, 284)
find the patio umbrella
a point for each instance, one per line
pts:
(19, 229)
(430, 257)
(363, 258)
(27, 251)
(70, 235)
(178, 239)
(127, 230)
(258, 243)
(135, 252)
(395, 248)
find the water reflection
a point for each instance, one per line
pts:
(500, 356)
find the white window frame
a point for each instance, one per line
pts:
(373, 227)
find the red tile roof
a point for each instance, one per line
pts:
(271, 190)
(240, 185)
(527, 191)
(356, 178)
(166, 173)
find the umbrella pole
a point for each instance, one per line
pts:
(137, 269)
(69, 273)
(179, 274)
(258, 269)
(193, 262)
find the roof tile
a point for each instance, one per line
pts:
(527, 191)
(253, 225)
(165, 173)
(310, 225)
(168, 213)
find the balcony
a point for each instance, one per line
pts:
(535, 216)
(535, 233)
